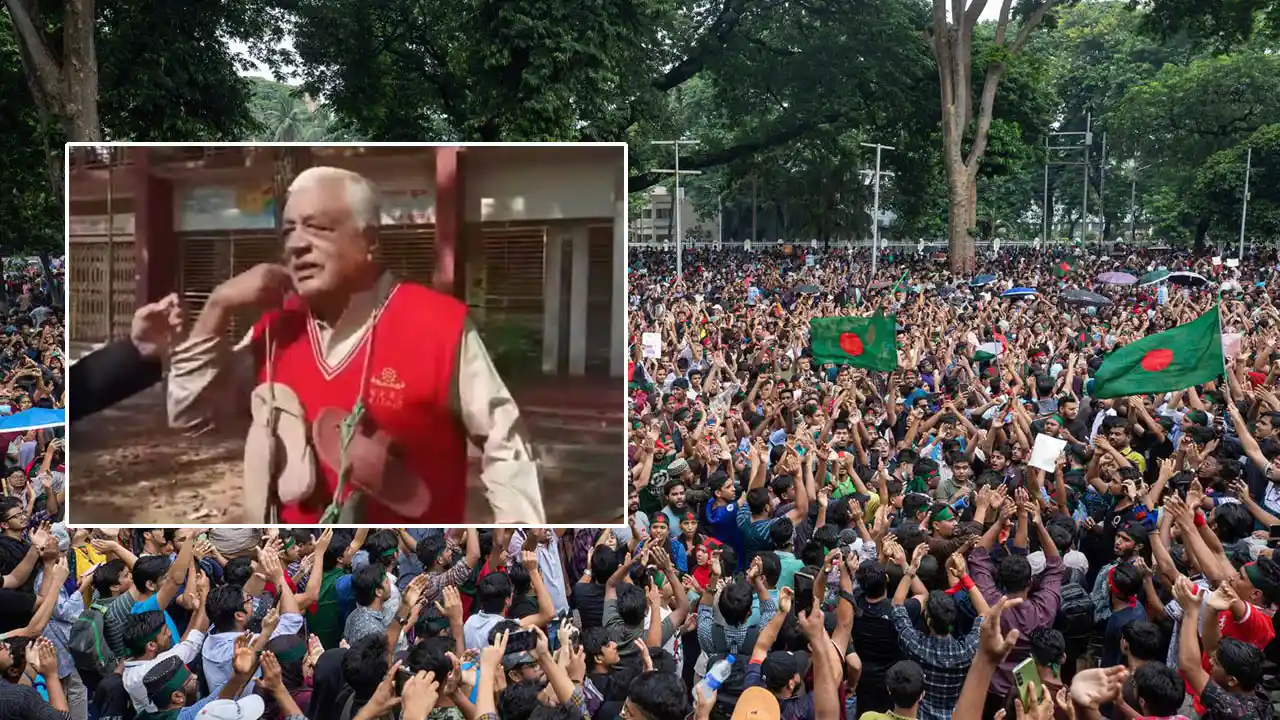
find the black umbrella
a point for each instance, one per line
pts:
(1084, 297)
(1188, 278)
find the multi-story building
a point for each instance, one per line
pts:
(654, 221)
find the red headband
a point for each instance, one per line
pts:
(1131, 599)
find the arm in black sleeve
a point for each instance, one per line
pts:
(109, 375)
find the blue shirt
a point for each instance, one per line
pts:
(151, 604)
(724, 526)
(755, 533)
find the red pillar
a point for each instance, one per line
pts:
(450, 220)
(155, 246)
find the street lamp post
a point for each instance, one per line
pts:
(1244, 208)
(875, 219)
(675, 208)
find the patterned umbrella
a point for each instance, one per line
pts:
(982, 280)
(1117, 278)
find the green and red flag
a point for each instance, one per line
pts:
(1186, 356)
(865, 342)
(1062, 268)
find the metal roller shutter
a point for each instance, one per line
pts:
(514, 274)
(210, 258)
(408, 252)
(600, 259)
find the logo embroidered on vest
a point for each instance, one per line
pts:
(386, 389)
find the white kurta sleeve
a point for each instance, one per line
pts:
(207, 377)
(490, 415)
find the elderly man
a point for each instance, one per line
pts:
(365, 389)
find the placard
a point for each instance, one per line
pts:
(1045, 452)
(651, 344)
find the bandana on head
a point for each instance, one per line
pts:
(139, 645)
(943, 513)
(1111, 582)
(1252, 572)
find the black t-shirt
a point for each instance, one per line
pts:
(588, 600)
(12, 552)
(16, 609)
(523, 606)
(111, 700)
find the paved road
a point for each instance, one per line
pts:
(127, 466)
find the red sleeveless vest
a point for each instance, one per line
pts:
(416, 337)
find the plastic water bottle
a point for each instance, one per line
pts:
(715, 676)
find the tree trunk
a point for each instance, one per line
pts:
(64, 88)
(1202, 231)
(951, 41)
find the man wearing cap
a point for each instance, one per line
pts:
(372, 386)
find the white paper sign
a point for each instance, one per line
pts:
(1233, 262)
(1231, 344)
(1045, 452)
(651, 343)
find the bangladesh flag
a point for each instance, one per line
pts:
(988, 351)
(1062, 268)
(1176, 359)
(865, 342)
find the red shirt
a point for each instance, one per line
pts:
(415, 340)
(1254, 628)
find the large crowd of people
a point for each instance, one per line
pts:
(806, 540)
(31, 349)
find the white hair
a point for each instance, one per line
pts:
(362, 194)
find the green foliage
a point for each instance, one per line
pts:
(31, 211)
(513, 346)
(1220, 185)
(282, 113)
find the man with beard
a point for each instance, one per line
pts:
(1131, 541)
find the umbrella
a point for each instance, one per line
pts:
(982, 280)
(1117, 278)
(1084, 297)
(1188, 278)
(809, 289)
(1153, 277)
(1019, 292)
(33, 418)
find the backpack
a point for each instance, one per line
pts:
(88, 643)
(1075, 613)
(721, 647)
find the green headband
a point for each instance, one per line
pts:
(1252, 572)
(389, 552)
(944, 513)
(292, 654)
(1057, 418)
(139, 644)
(288, 543)
(173, 684)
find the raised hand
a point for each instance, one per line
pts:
(1096, 687)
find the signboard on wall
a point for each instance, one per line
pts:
(226, 207)
(120, 223)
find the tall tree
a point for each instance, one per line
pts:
(952, 40)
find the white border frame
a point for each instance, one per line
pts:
(626, 291)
